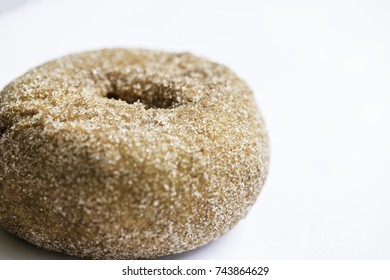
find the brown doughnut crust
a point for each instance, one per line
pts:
(122, 154)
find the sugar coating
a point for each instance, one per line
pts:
(126, 154)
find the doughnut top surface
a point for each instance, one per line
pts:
(121, 153)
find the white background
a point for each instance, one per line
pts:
(320, 71)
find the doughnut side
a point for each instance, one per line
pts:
(126, 154)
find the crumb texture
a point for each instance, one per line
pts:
(125, 154)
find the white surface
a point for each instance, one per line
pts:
(320, 72)
(6, 5)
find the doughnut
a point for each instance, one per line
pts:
(128, 154)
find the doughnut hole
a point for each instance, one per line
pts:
(152, 94)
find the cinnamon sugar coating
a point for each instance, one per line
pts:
(124, 154)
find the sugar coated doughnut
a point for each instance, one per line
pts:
(122, 154)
